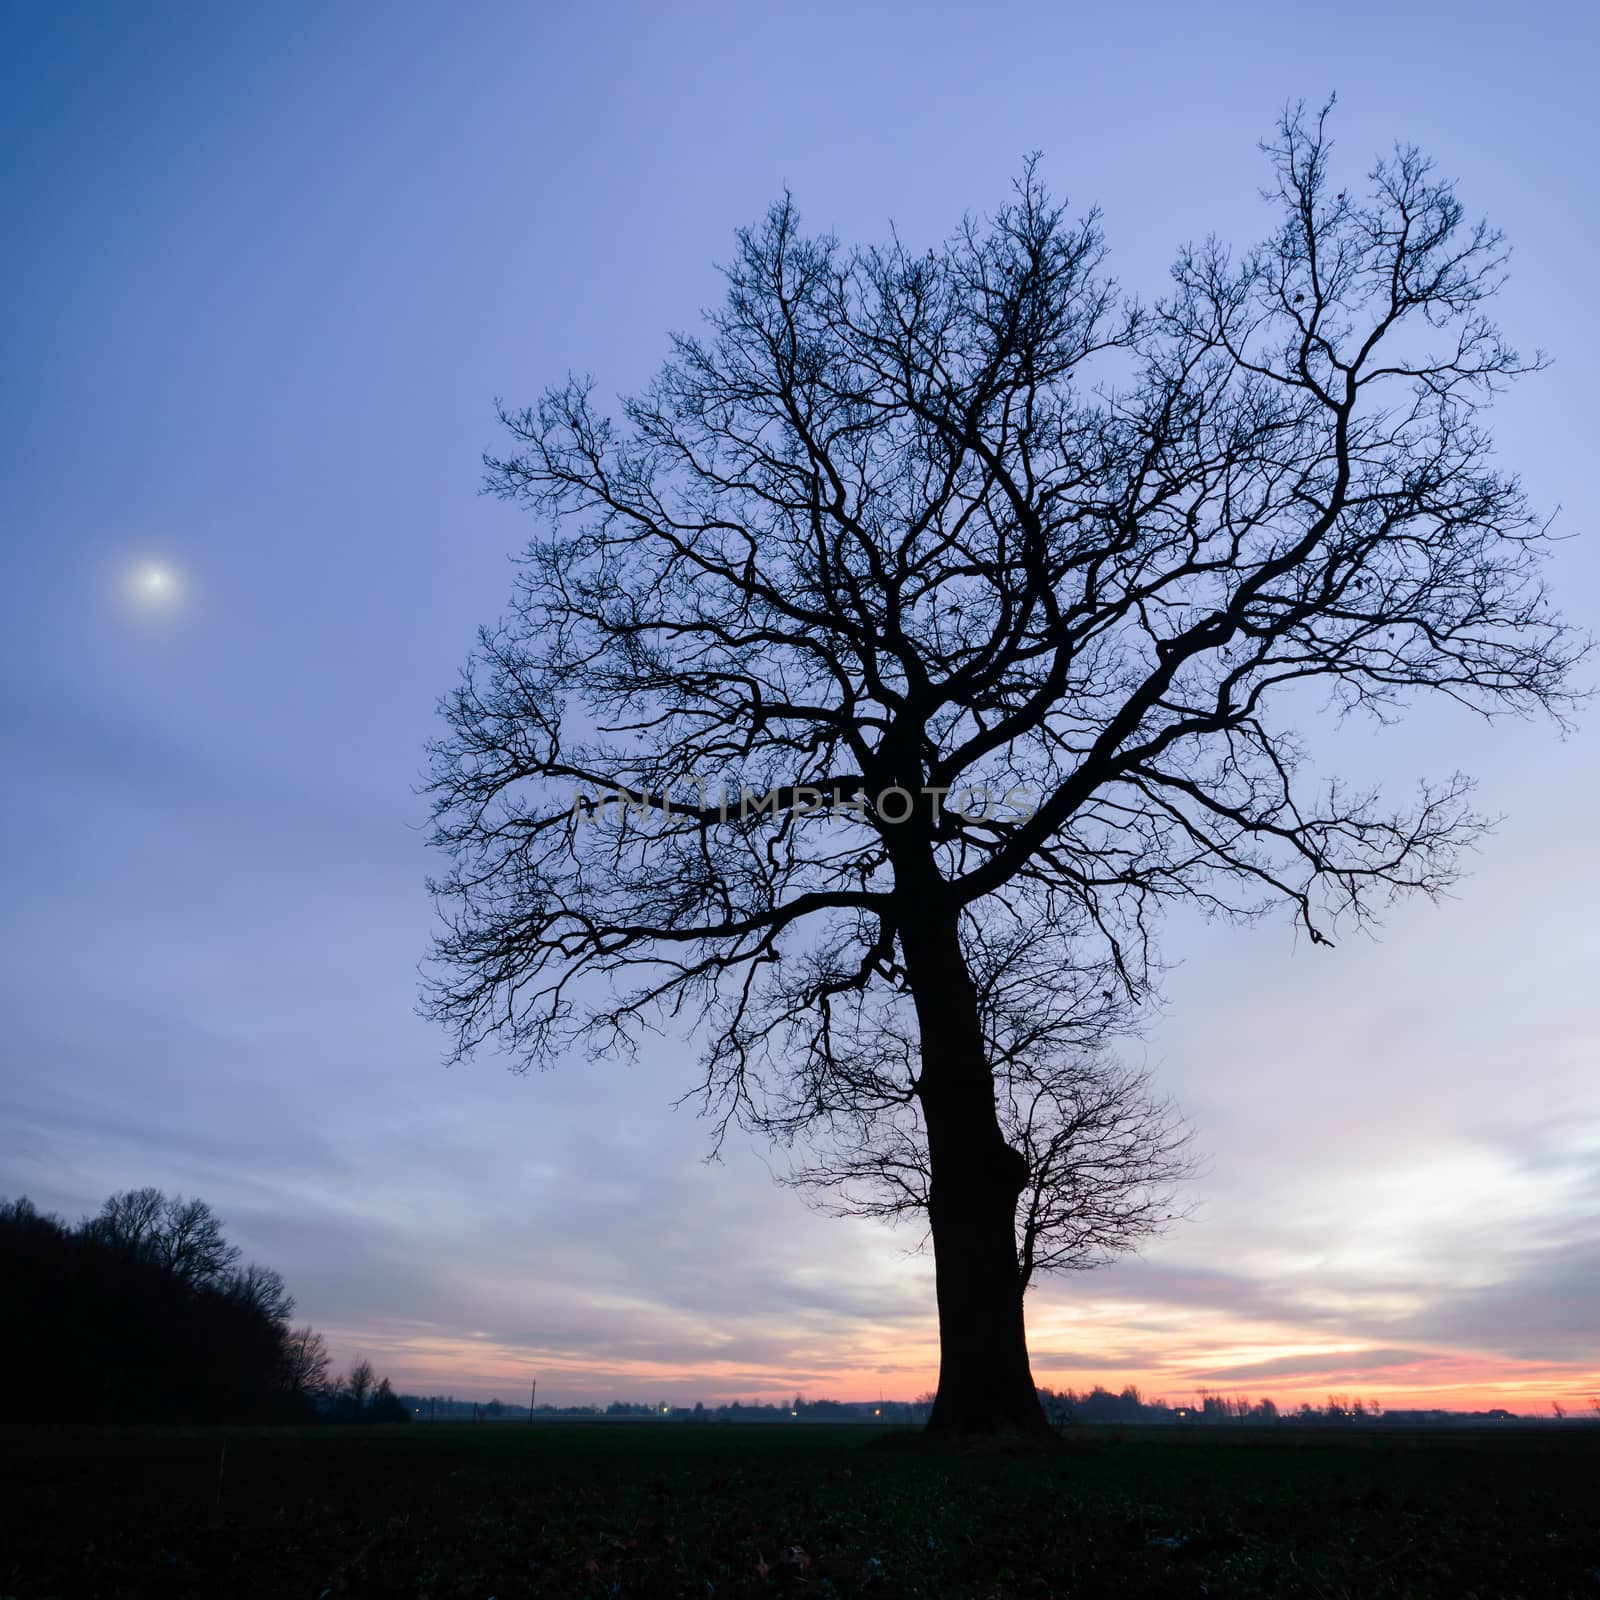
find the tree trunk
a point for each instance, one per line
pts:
(985, 1384)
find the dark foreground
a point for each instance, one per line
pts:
(622, 1509)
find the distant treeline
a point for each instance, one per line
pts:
(1101, 1405)
(447, 1408)
(144, 1313)
(1063, 1407)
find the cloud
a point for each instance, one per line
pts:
(1344, 1366)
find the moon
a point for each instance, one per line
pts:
(154, 586)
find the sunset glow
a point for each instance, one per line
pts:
(1143, 1348)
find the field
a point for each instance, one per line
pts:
(613, 1510)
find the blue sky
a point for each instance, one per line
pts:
(267, 270)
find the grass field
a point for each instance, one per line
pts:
(640, 1509)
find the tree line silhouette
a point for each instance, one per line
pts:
(144, 1312)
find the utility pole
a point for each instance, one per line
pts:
(533, 1394)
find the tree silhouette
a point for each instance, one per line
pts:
(1003, 595)
(130, 1220)
(304, 1369)
(190, 1243)
(263, 1290)
(386, 1405)
(137, 1315)
(360, 1385)
(183, 1237)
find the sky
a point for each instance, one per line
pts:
(268, 269)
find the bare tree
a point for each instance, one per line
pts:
(189, 1242)
(304, 1369)
(264, 1291)
(130, 1219)
(184, 1236)
(360, 1384)
(907, 532)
